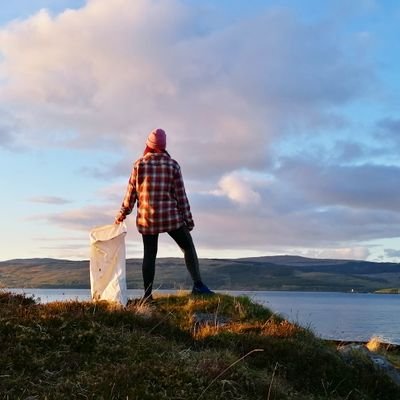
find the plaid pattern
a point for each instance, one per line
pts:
(156, 184)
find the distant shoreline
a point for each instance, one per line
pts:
(308, 290)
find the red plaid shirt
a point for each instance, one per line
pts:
(156, 184)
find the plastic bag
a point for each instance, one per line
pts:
(108, 264)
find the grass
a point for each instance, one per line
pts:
(388, 291)
(220, 347)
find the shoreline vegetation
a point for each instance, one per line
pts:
(281, 273)
(388, 291)
(178, 347)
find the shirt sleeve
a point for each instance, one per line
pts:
(130, 195)
(182, 200)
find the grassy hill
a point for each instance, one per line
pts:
(180, 347)
(258, 273)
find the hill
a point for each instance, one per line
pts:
(255, 273)
(178, 347)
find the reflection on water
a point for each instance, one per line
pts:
(339, 316)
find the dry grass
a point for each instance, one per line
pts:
(391, 352)
(375, 344)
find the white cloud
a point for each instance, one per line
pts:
(238, 190)
(343, 253)
(104, 75)
(112, 70)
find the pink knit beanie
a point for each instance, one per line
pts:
(157, 139)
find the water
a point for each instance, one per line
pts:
(338, 316)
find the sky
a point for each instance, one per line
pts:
(284, 117)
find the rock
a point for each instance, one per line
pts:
(199, 318)
(379, 361)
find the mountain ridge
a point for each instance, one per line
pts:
(282, 272)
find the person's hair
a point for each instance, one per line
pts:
(150, 150)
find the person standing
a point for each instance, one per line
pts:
(156, 185)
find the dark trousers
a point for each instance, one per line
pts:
(184, 240)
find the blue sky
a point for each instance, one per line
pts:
(284, 116)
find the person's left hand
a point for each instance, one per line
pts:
(189, 226)
(119, 218)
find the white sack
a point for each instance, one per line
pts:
(108, 264)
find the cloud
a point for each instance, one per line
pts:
(112, 70)
(267, 229)
(113, 193)
(388, 130)
(347, 151)
(275, 220)
(392, 253)
(327, 209)
(8, 130)
(390, 125)
(5, 137)
(105, 171)
(365, 186)
(238, 190)
(302, 204)
(356, 7)
(344, 253)
(49, 200)
(231, 94)
(79, 219)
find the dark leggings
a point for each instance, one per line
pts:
(184, 240)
